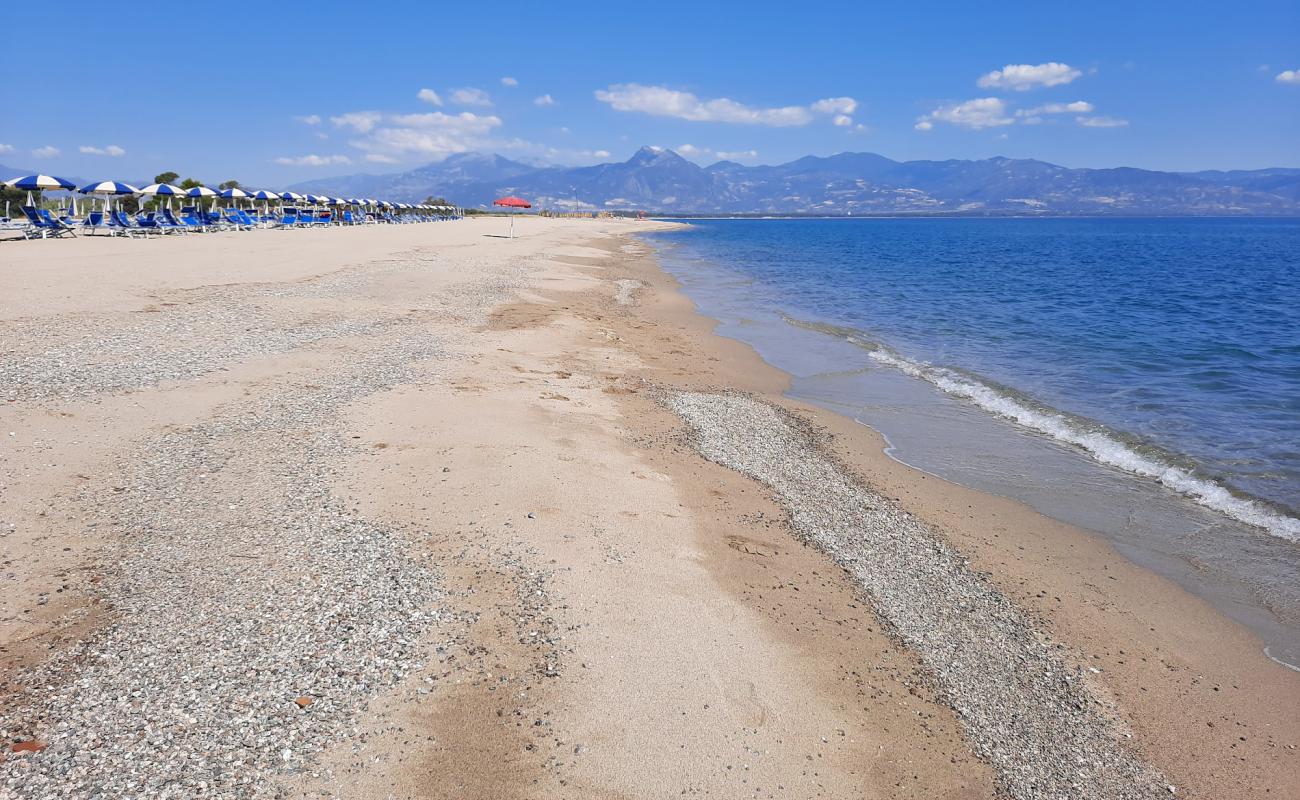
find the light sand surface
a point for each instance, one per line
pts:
(615, 616)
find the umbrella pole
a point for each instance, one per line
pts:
(512, 224)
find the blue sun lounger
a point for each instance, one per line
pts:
(40, 223)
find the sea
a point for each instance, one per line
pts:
(1138, 378)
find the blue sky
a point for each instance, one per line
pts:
(283, 92)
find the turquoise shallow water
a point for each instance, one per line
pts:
(1138, 377)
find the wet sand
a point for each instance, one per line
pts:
(608, 614)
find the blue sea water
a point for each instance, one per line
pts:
(1164, 353)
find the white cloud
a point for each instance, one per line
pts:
(312, 160)
(509, 81)
(737, 155)
(1288, 76)
(690, 150)
(359, 121)
(842, 120)
(601, 154)
(1077, 107)
(111, 150)
(471, 97)
(6, 148)
(544, 100)
(310, 119)
(1101, 122)
(434, 135)
(48, 151)
(660, 101)
(1022, 77)
(429, 96)
(380, 158)
(983, 112)
(835, 105)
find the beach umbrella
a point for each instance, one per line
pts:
(36, 183)
(512, 203)
(200, 192)
(291, 196)
(317, 199)
(265, 195)
(108, 189)
(233, 193)
(163, 190)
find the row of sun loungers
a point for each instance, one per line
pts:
(44, 225)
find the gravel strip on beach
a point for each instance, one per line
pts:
(1025, 709)
(254, 614)
(255, 617)
(191, 333)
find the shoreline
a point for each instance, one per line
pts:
(601, 611)
(1157, 507)
(1067, 579)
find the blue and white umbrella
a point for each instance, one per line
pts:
(35, 183)
(163, 190)
(317, 199)
(200, 192)
(109, 187)
(234, 193)
(291, 196)
(265, 194)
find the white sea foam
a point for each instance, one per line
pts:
(1102, 446)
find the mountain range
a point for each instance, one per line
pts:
(659, 180)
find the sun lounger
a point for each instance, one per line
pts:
(148, 221)
(168, 223)
(40, 223)
(94, 221)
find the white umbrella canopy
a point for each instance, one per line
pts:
(291, 196)
(108, 189)
(163, 189)
(200, 191)
(36, 183)
(234, 193)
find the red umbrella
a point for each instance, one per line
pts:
(512, 202)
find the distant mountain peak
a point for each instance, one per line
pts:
(650, 154)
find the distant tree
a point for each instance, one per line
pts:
(436, 201)
(191, 183)
(166, 177)
(228, 185)
(17, 197)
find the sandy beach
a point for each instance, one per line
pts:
(420, 511)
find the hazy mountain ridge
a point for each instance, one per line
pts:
(661, 181)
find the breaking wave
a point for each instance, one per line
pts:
(1104, 445)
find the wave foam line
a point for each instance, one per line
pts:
(1102, 447)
